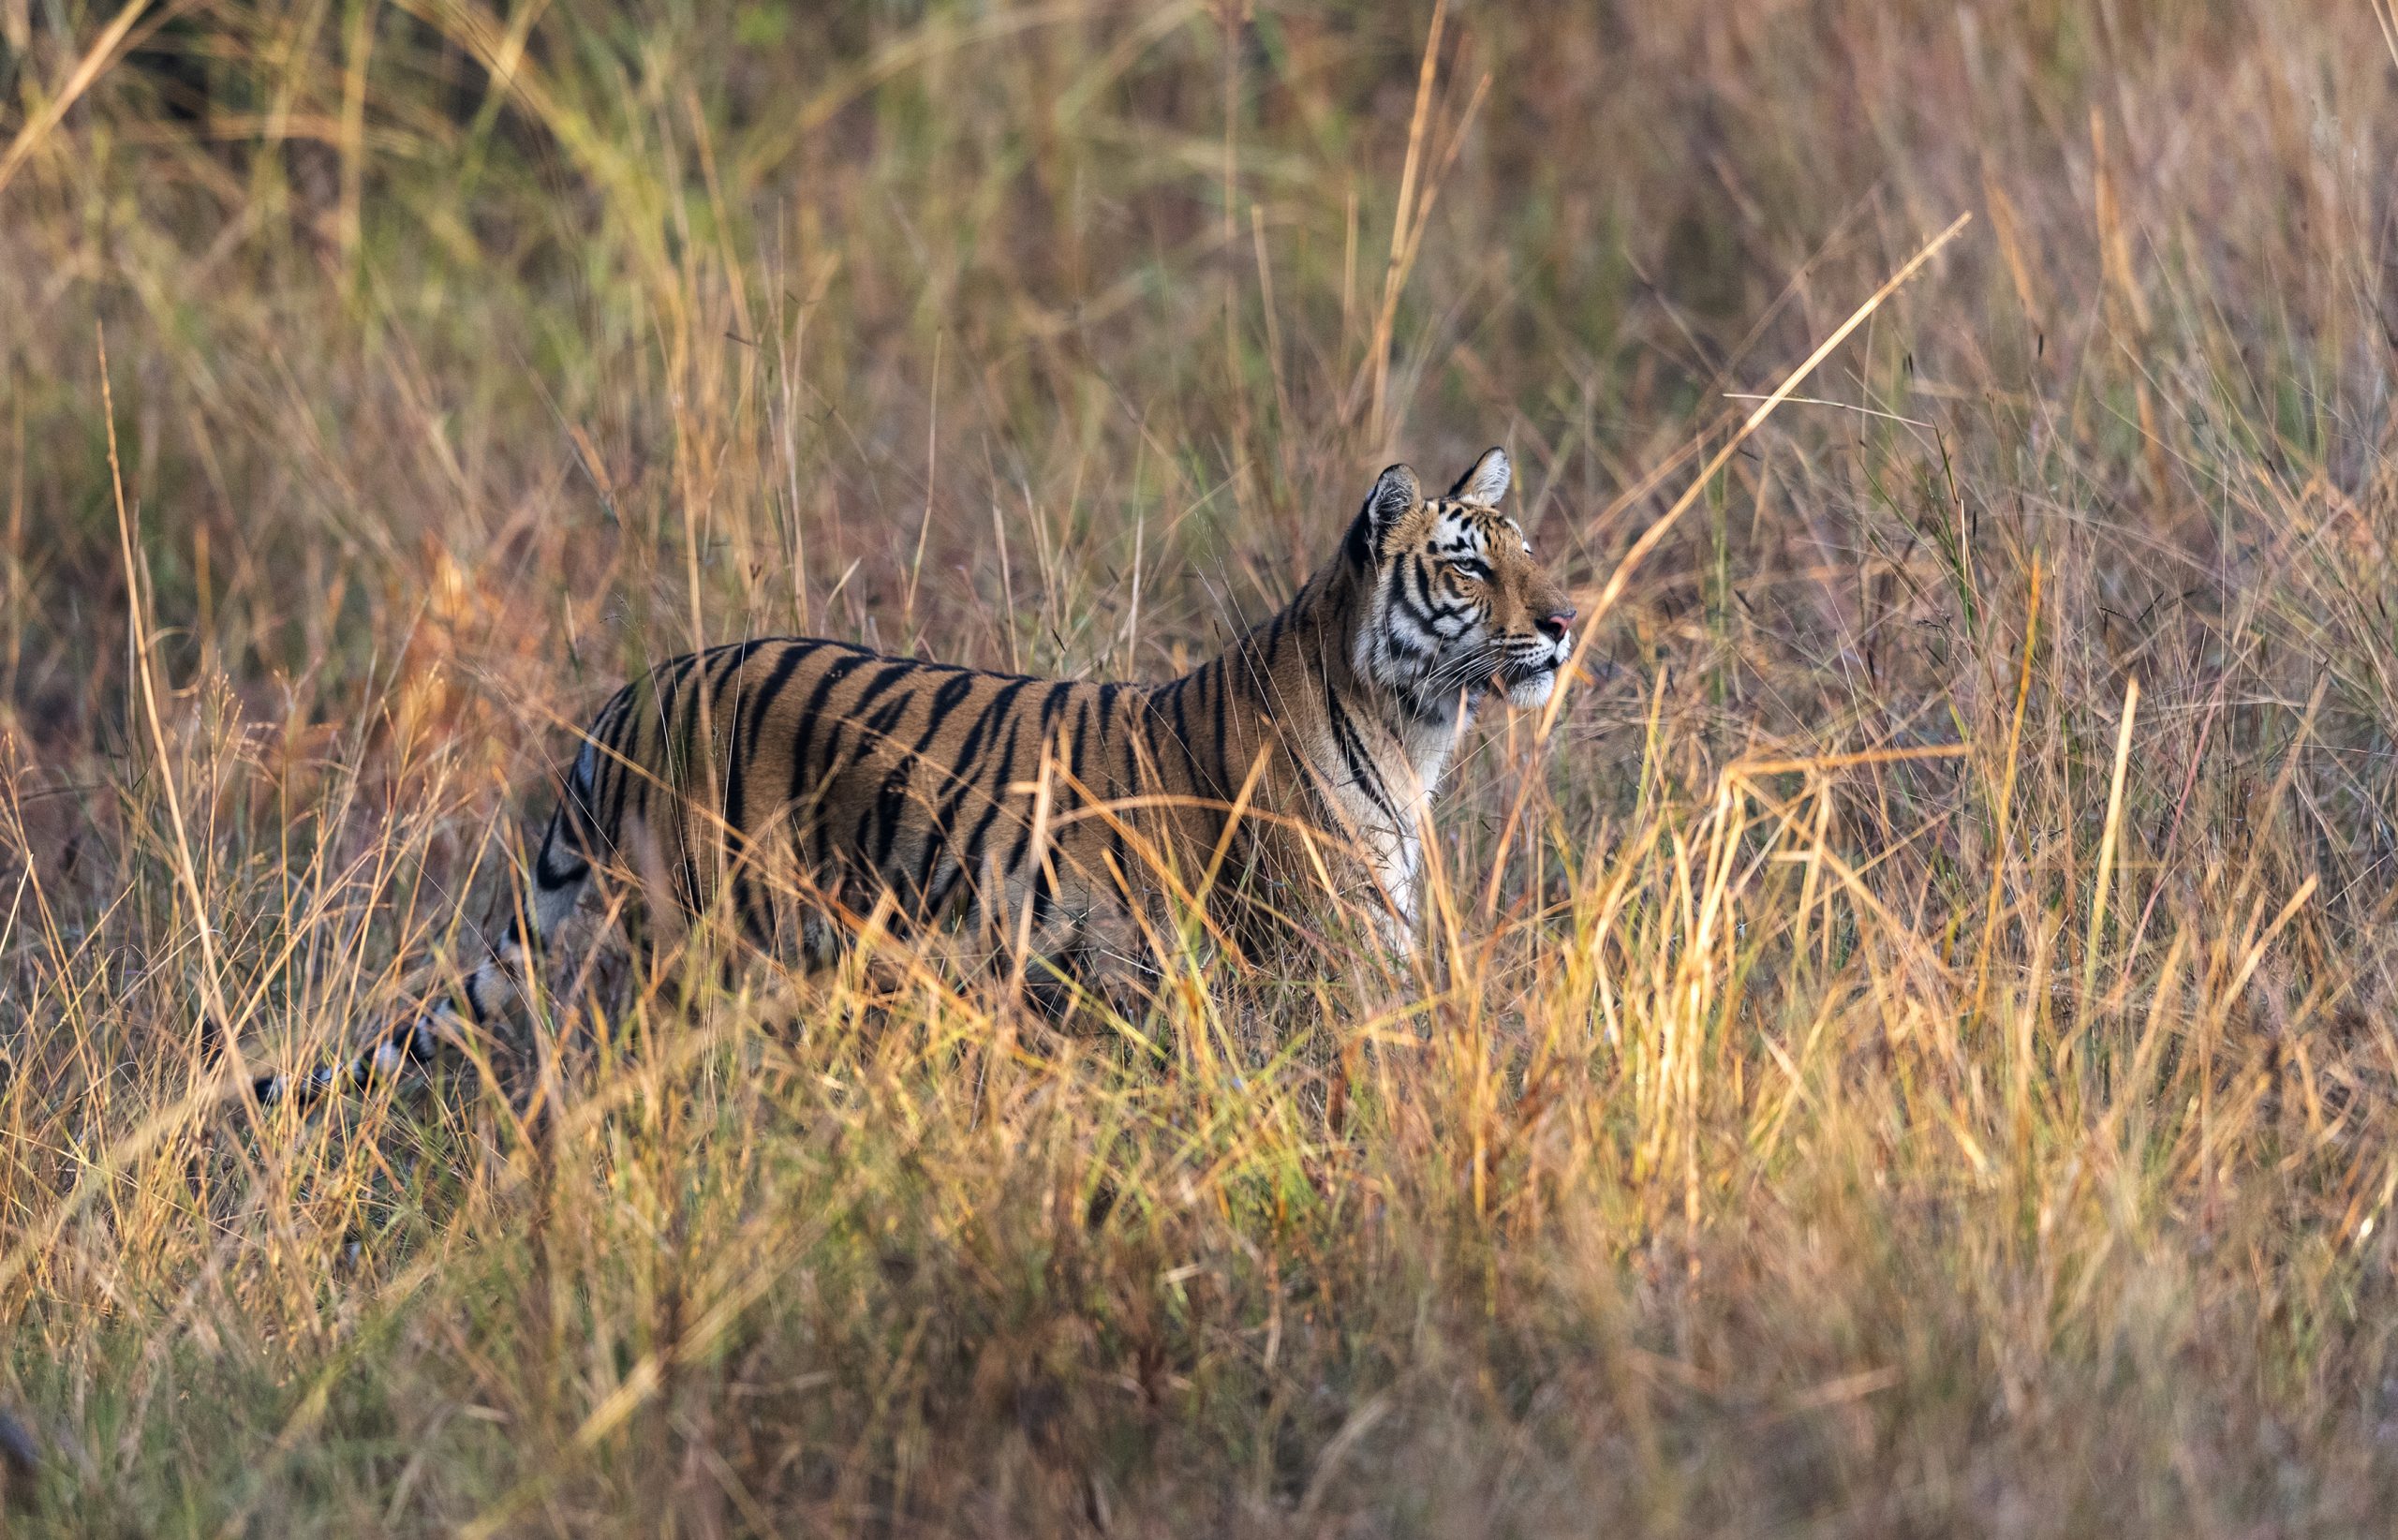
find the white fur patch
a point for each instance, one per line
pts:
(1525, 694)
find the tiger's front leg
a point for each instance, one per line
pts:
(1395, 866)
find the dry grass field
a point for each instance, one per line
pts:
(1908, 1048)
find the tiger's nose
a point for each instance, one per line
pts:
(1553, 626)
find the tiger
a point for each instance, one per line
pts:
(803, 783)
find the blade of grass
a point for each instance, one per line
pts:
(1651, 537)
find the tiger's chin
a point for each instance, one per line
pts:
(1531, 690)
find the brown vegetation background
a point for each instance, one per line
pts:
(1909, 1052)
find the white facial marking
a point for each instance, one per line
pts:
(1534, 691)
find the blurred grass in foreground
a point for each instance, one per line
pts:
(1958, 1129)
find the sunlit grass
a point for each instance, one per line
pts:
(1906, 1049)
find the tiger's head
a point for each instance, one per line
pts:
(1453, 604)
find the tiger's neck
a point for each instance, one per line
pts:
(1382, 753)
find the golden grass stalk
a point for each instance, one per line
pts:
(2108, 837)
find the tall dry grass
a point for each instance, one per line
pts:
(1909, 1051)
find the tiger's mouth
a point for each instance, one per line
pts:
(1524, 678)
(1526, 688)
(1528, 682)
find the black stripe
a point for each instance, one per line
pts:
(977, 740)
(1151, 720)
(795, 653)
(582, 801)
(699, 766)
(1426, 609)
(735, 668)
(893, 670)
(890, 673)
(802, 765)
(552, 877)
(947, 699)
(695, 688)
(1224, 787)
(1045, 891)
(1079, 734)
(613, 772)
(1353, 754)
(737, 658)
(891, 797)
(1102, 728)
(873, 733)
(1182, 724)
(656, 702)
(878, 728)
(969, 759)
(1127, 787)
(667, 676)
(741, 750)
(970, 854)
(1050, 704)
(747, 737)
(655, 767)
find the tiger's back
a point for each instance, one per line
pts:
(801, 779)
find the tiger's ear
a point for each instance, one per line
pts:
(1487, 482)
(1396, 494)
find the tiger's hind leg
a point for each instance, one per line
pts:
(560, 875)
